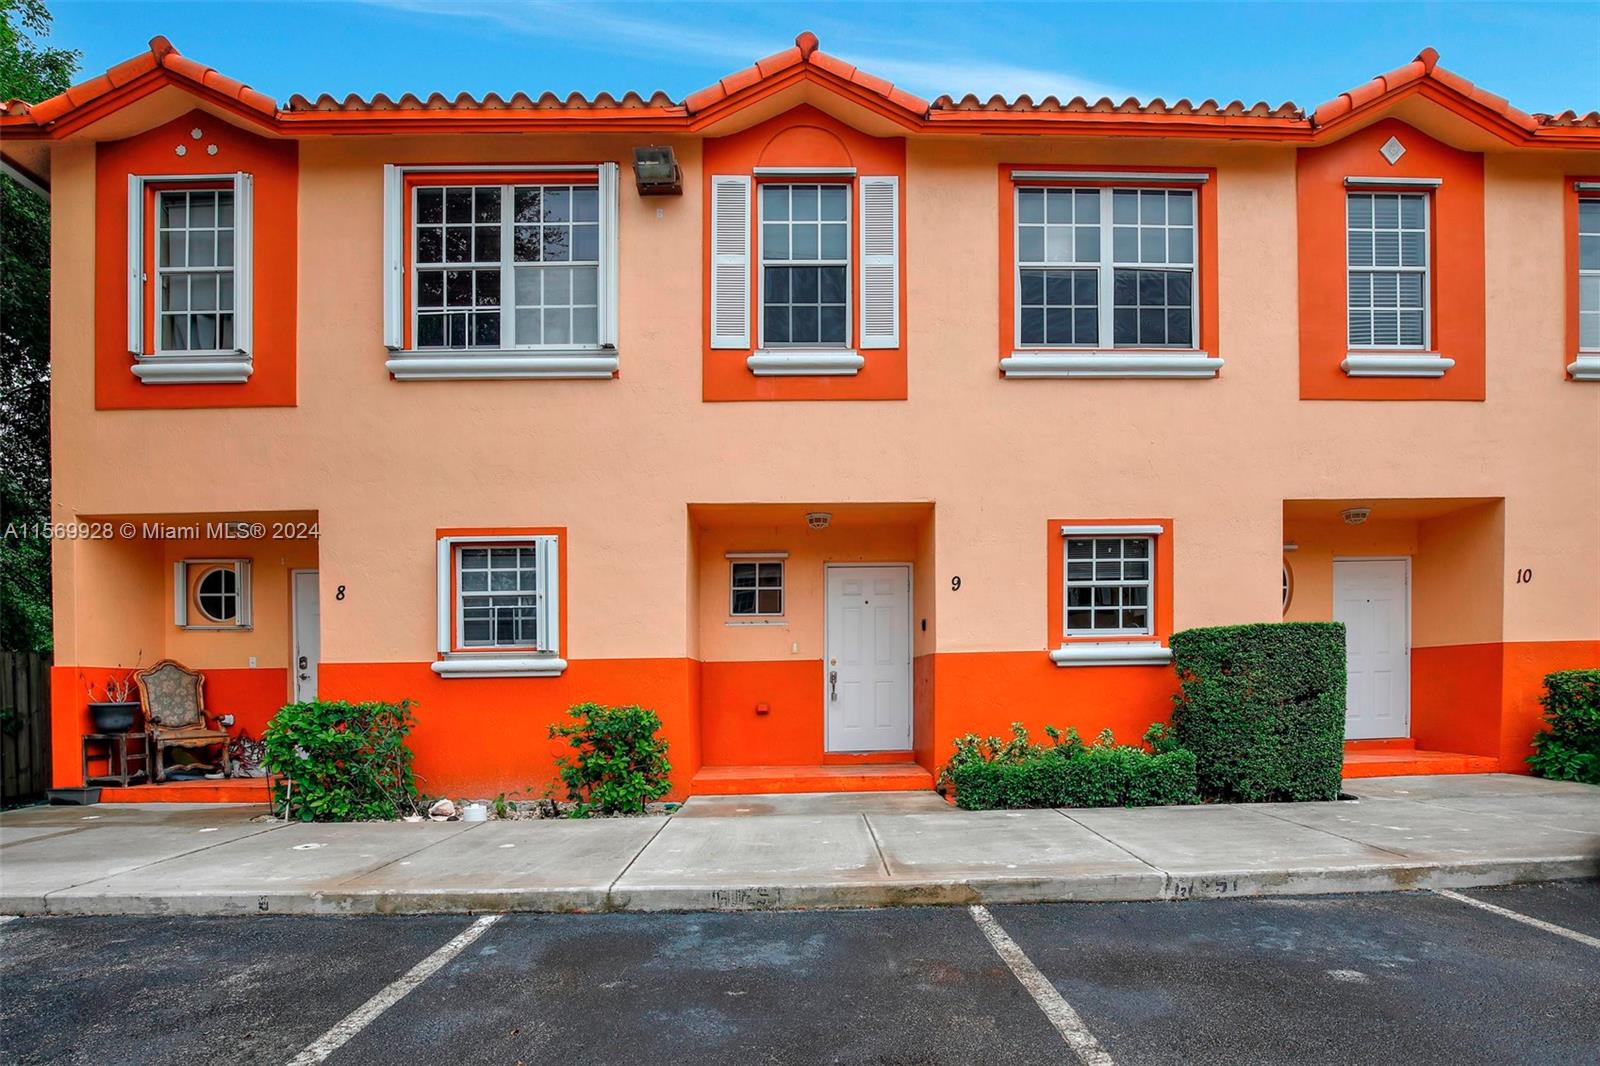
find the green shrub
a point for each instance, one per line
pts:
(1570, 749)
(1018, 774)
(620, 762)
(1262, 708)
(341, 762)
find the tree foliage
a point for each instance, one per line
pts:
(29, 71)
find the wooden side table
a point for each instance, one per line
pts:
(127, 757)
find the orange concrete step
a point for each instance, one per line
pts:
(226, 790)
(1412, 761)
(764, 780)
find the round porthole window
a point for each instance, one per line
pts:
(1288, 586)
(217, 594)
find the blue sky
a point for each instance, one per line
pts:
(1543, 57)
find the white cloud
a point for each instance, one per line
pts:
(936, 72)
(961, 75)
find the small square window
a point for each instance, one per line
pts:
(756, 588)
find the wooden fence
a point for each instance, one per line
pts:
(24, 725)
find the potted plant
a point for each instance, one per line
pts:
(116, 711)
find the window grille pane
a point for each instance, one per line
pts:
(498, 591)
(1051, 302)
(805, 224)
(1153, 308)
(1589, 251)
(1387, 269)
(1112, 593)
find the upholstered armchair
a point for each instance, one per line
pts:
(173, 699)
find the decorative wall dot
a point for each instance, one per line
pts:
(182, 149)
(195, 133)
(1392, 150)
(211, 149)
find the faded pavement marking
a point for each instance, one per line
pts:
(1517, 916)
(1057, 1009)
(364, 1015)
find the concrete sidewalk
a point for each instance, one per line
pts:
(830, 850)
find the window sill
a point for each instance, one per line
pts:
(739, 623)
(473, 364)
(1110, 363)
(805, 362)
(1585, 368)
(226, 368)
(1111, 653)
(501, 666)
(1396, 364)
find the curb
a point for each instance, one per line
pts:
(1155, 885)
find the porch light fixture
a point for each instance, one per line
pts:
(1355, 515)
(818, 519)
(656, 171)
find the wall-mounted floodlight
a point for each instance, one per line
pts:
(656, 171)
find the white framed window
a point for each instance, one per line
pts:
(515, 278)
(499, 606)
(1388, 269)
(212, 594)
(198, 285)
(1589, 274)
(1109, 585)
(805, 265)
(755, 588)
(1106, 268)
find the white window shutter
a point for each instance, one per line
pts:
(730, 261)
(549, 595)
(609, 252)
(880, 262)
(394, 303)
(136, 265)
(180, 593)
(244, 291)
(242, 581)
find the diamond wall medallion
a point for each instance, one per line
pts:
(1392, 150)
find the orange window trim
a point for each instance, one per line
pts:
(466, 176)
(513, 535)
(274, 168)
(726, 376)
(1456, 272)
(1206, 245)
(1570, 221)
(1055, 575)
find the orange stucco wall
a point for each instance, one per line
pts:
(621, 463)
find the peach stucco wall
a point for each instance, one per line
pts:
(617, 462)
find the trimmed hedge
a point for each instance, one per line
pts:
(1262, 707)
(1071, 774)
(1570, 749)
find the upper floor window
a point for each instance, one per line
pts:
(1106, 267)
(189, 278)
(805, 265)
(501, 272)
(507, 266)
(194, 270)
(1387, 241)
(1589, 274)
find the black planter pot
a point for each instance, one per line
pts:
(113, 717)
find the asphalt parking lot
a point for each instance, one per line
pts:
(1390, 978)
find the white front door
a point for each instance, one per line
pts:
(307, 635)
(1372, 598)
(867, 673)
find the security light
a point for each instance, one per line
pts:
(656, 171)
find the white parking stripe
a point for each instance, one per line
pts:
(1525, 919)
(368, 1012)
(1058, 1010)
